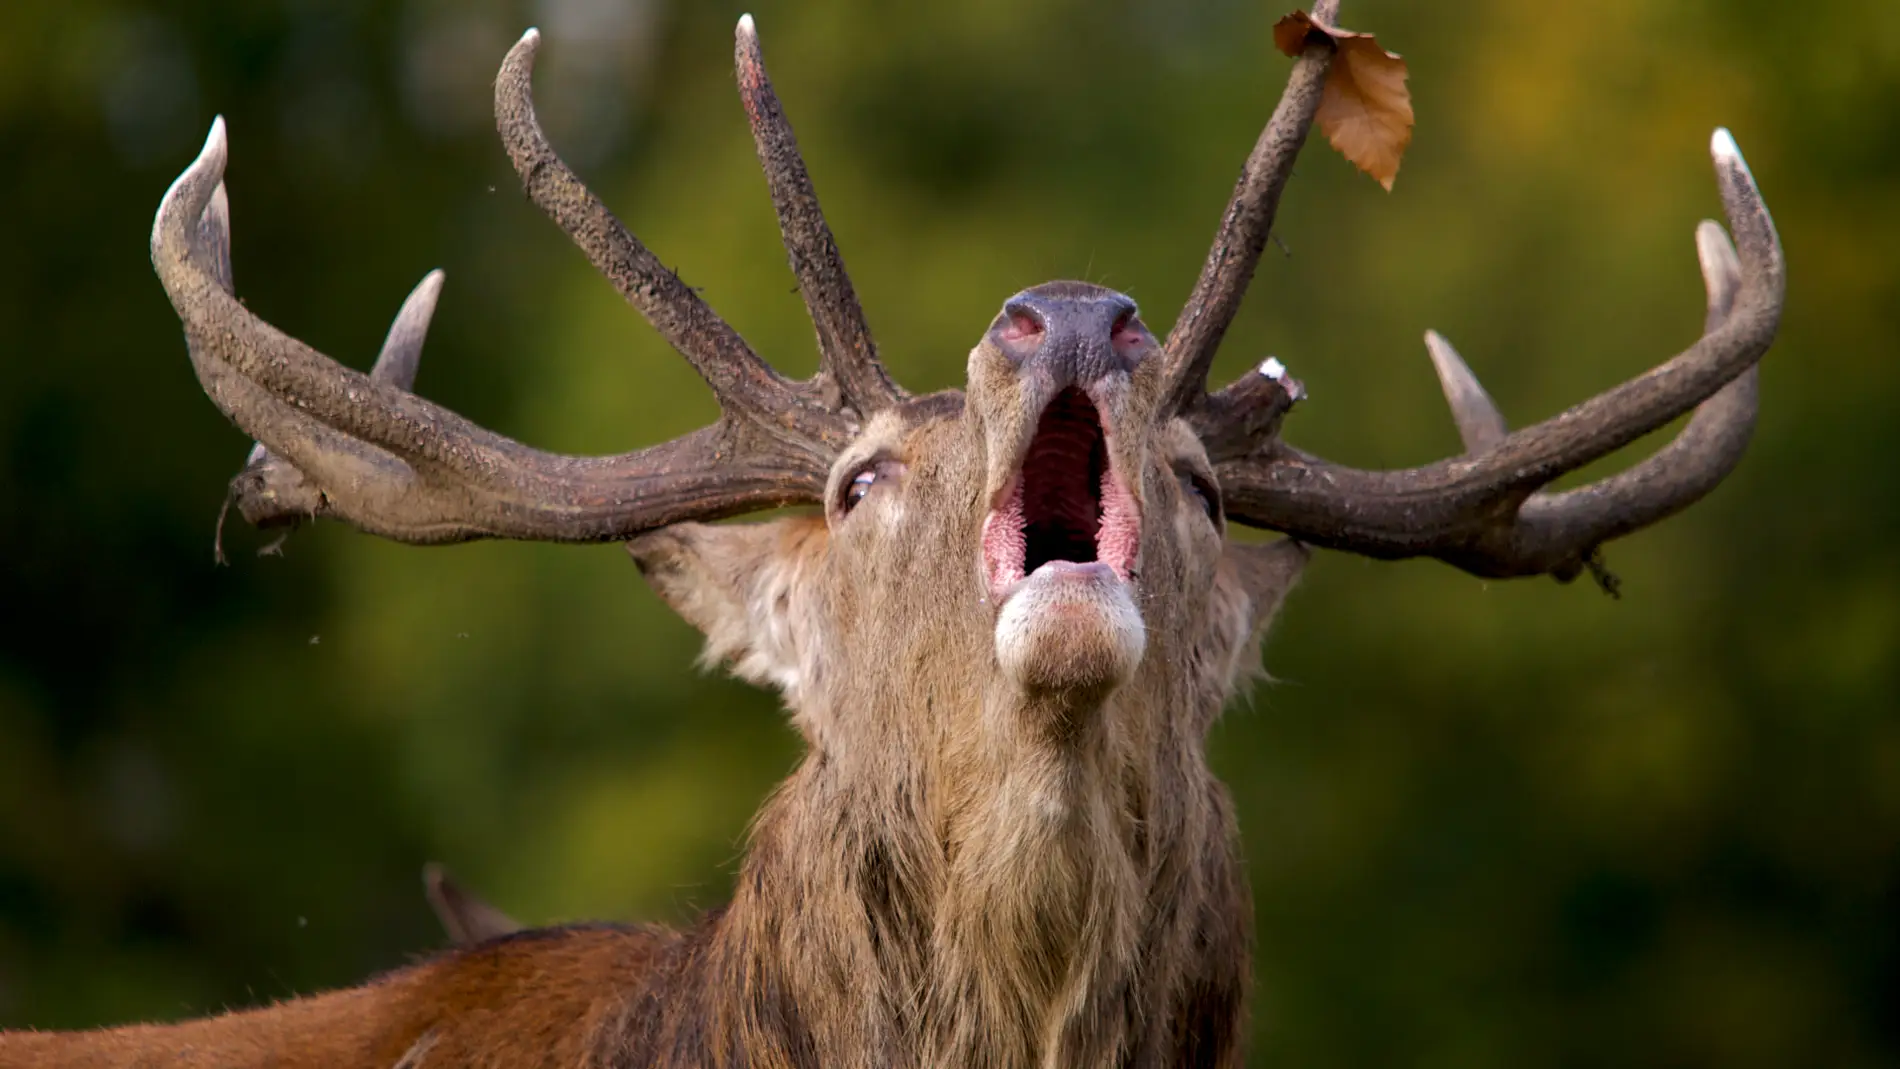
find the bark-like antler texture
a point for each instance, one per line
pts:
(333, 442)
(1484, 511)
(364, 449)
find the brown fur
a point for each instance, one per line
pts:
(969, 867)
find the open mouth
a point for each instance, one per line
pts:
(1067, 504)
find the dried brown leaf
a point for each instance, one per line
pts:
(1290, 33)
(1365, 109)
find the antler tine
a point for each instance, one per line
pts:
(1477, 511)
(1480, 423)
(269, 491)
(1567, 527)
(846, 352)
(1236, 420)
(401, 354)
(395, 465)
(1244, 227)
(266, 490)
(739, 378)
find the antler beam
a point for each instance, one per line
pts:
(1482, 511)
(362, 448)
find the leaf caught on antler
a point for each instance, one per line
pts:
(1365, 109)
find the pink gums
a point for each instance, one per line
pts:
(1119, 538)
(1004, 545)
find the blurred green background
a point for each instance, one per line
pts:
(1489, 824)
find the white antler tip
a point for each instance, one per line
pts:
(1728, 155)
(746, 27)
(215, 140)
(1272, 368)
(210, 161)
(532, 38)
(1722, 145)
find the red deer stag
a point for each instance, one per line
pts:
(1003, 634)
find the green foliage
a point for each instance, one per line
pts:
(1490, 824)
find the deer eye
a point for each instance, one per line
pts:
(871, 475)
(1198, 488)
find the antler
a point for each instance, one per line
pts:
(363, 449)
(1245, 226)
(1483, 511)
(847, 356)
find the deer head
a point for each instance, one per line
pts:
(1015, 609)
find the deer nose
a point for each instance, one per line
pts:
(1075, 332)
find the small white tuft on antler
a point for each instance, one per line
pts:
(745, 25)
(1272, 368)
(532, 37)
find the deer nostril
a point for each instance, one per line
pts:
(1128, 332)
(1075, 331)
(1022, 329)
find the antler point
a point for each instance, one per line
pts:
(1480, 424)
(1728, 154)
(1712, 246)
(746, 28)
(1722, 143)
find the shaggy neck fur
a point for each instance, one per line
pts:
(1044, 907)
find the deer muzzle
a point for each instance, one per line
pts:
(1062, 539)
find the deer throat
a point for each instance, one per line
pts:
(1040, 918)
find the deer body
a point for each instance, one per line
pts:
(1003, 635)
(1031, 883)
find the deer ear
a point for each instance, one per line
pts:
(744, 587)
(1265, 572)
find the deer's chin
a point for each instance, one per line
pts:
(1068, 627)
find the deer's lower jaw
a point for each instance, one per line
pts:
(1071, 628)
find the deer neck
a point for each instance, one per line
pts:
(974, 897)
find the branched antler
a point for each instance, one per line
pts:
(1483, 511)
(364, 449)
